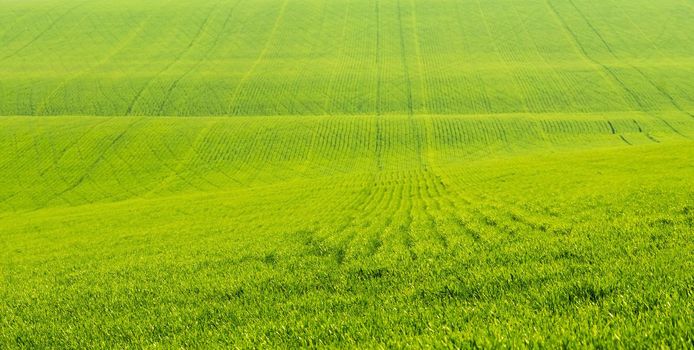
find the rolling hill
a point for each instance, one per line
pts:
(350, 173)
(310, 57)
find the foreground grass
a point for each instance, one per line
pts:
(347, 232)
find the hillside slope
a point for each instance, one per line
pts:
(60, 161)
(462, 231)
(342, 57)
(346, 173)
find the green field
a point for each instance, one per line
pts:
(351, 174)
(339, 57)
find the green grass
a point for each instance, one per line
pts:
(297, 231)
(311, 57)
(359, 174)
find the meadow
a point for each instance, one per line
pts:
(349, 173)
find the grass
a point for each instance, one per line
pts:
(369, 231)
(123, 57)
(359, 174)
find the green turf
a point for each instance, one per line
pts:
(359, 174)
